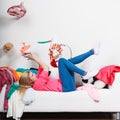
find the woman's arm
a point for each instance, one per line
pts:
(36, 59)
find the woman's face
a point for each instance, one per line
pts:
(32, 76)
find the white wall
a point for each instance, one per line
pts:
(77, 23)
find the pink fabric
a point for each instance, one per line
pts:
(91, 90)
(17, 10)
(45, 83)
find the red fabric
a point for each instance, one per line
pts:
(5, 78)
(14, 73)
(53, 63)
(107, 73)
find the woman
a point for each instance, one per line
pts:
(43, 82)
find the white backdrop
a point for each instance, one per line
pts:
(77, 23)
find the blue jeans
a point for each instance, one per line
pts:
(67, 69)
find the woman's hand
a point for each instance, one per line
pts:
(29, 56)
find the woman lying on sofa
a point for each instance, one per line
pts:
(43, 82)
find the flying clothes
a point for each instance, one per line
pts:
(17, 10)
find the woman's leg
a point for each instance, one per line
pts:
(69, 64)
(67, 69)
(66, 75)
(64, 63)
(82, 57)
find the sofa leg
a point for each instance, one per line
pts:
(118, 116)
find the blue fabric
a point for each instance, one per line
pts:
(67, 69)
(33, 70)
(21, 69)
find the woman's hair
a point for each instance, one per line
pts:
(25, 82)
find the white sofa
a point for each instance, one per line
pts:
(77, 101)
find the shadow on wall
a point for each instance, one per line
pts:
(5, 21)
(9, 57)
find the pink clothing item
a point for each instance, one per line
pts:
(17, 10)
(91, 90)
(45, 83)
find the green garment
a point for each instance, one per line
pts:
(13, 88)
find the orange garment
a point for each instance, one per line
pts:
(24, 48)
(14, 73)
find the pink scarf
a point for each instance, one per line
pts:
(91, 90)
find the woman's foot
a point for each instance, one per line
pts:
(89, 75)
(96, 49)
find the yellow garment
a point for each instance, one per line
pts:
(19, 74)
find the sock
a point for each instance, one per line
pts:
(89, 75)
(97, 48)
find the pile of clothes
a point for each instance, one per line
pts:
(9, 76)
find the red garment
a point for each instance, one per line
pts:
(5, 78)
(107, 73)
(13, 71)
